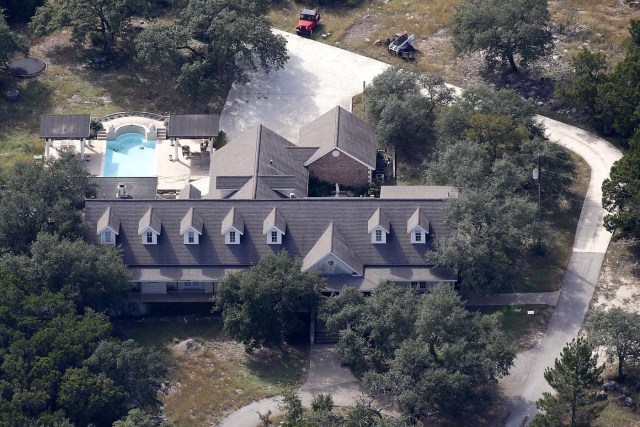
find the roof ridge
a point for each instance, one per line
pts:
(256, 163)
(338, 108)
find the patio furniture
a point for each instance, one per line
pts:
(186, 151)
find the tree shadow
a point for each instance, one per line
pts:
(530, 83)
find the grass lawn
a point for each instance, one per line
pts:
(523, 329)
(219, 376)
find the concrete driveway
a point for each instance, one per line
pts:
(525, 383)
(316, 78)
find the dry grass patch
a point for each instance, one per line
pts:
(213, 375)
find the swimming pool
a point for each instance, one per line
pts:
(130, 154)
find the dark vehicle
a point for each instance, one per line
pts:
(309, 21)
(402, 45)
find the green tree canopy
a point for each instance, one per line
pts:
(621, 195)
(88, 275)
(575, 377)
(262, 306)
(618, 331)
(401, 104)
(505, 29)
(427, 352)
(215, 42)
(10, 42)
(43, 198)
(104, 20)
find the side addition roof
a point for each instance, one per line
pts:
(379, 219)
(193, 220)
(232, 219)
(259, 164)
(274, 219)
(141, 188)
(419, 218)
(149, 220)
(65, 126)
(332, 242)
(189, 192)
(340, 129)
(108, 219)
(193, 125)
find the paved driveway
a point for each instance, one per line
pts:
(525, 383)
(316, 78)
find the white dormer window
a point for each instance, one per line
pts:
(418, 236)
(149, 238)
(191, 237)
(107, 238)
(274, 237)
(379, 235)
(232, 238)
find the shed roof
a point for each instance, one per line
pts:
(65, 126)
(193, 125)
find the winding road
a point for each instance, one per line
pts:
(318, 77)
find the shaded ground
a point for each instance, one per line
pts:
(213, 375)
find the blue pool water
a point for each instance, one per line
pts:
(130, 155)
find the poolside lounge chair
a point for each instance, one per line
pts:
(186, 151)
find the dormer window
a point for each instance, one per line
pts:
(419, 236)
(108, 227)
(418, 227)
(149, 228)
(191, 227)
(378, 227)
(274, 227)
(107, 238)
(232, 227)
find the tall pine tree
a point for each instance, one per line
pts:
(576, 378)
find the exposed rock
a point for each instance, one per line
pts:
(610, 386)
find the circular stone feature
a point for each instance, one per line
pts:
(26, 67)
(12, 95)
(335, 153)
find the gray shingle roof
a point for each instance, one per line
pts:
(379, 219)
(232, 219)
(332, 242)
(143, 188)
(193, 220)
(374, 275)
(261, 159)
(193, 125)
(419, 218)
(149, 220)
(65, 126)
(338, 128)
(275, 219)
(306, 219)
(423, 192)
(108, 219)
(189, 192)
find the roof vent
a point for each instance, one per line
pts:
(122, 191)
(292, 195)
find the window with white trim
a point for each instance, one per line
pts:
(418, 236)
(379, 236)
(231, 237)
(149, 237)
(274, 237)
(107, 238)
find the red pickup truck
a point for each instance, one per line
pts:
(309, 21)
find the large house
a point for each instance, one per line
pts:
(178, 250)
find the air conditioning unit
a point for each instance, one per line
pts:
(122, 191)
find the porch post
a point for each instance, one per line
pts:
(47, 147)
(175, 157)
(82, 148)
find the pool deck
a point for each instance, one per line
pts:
(172, 175)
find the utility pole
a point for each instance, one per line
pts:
(537, 175)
